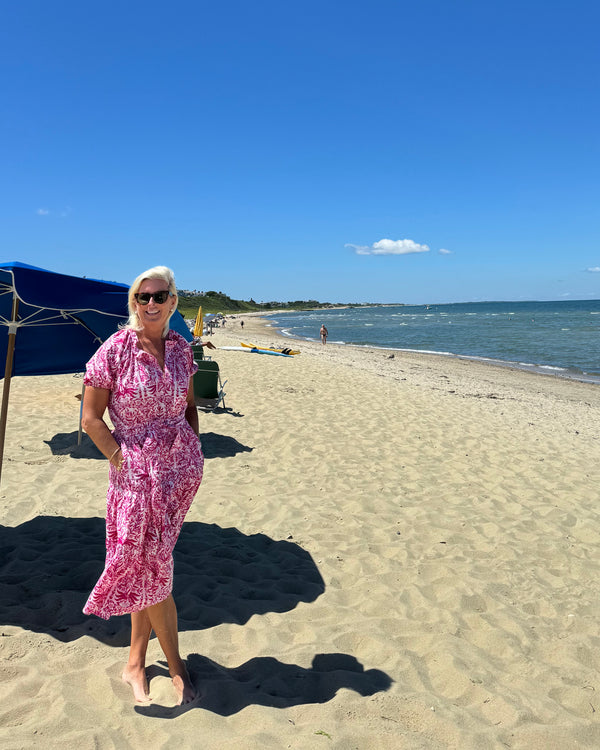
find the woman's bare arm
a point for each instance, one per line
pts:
(95, 401)
(191, 413)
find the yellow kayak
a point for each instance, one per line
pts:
(284, 350)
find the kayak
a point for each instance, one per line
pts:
(284, 350)
(254, 350)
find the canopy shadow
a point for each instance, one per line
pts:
(65, 444)
(49, 565)
(213, 446)
(221, 446)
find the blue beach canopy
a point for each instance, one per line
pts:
(61, 320)
(54, 323)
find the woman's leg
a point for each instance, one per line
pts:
(163, 617)
(135, 671)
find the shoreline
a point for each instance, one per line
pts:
(261, 327)
(551, 370)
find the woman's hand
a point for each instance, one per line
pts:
(117, 458)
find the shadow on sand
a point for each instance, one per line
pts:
(265, 681)
(221, 446)
(49, 565)
(65, 444)
(213, 446)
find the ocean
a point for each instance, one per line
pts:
(561, 338)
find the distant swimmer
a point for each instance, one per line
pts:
(324, 334)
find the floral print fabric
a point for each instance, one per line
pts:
(148, 499)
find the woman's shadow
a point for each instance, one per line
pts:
(265, 681)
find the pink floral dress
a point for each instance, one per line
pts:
(148, 499)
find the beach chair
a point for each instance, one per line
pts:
(208, 388)
(198, 351)
(199, 354)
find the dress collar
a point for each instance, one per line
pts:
(139, 352)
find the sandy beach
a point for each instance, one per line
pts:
(385, 553)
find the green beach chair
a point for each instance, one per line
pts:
(198, 351)
(208, 388)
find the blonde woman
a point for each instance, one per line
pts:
(143, 376)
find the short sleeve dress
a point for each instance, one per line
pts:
(149, 497)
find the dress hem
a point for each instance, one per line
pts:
(97, 612)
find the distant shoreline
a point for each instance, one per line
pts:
(563, 374)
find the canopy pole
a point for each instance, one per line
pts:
(80, 415)
(12, 335)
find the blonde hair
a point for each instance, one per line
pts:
(158, 272)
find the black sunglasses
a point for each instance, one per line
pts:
(159, 297)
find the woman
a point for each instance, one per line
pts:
(143, 375)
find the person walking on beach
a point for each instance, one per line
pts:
(324, 334)
(143, 375)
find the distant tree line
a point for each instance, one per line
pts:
(214, 302)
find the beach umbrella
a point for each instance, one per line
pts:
(54, 323)
(199, 325)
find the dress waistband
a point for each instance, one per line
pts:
(156, 428)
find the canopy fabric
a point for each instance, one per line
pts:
(61, 319)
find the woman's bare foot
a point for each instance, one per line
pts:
(186, 692)
(136, 677)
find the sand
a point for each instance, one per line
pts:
(384, 553)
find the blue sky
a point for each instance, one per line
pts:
(314, 150)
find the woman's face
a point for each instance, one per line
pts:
(153, 316)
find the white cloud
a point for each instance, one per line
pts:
(594, 269)
(443, 251)
(62, 214)
(389, 247)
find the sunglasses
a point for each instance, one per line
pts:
(159, 297)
